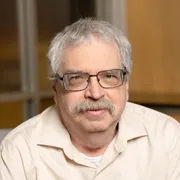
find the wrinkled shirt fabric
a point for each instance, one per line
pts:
(146, 147)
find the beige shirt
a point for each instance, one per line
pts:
(147, 147)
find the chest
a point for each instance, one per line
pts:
(135, 162)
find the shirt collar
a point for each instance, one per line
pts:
(51, 130)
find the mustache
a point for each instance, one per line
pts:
(94, 105)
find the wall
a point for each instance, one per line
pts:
(3, 132)
(153, 29)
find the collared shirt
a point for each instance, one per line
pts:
(146, 147)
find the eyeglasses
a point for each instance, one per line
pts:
(79, 81)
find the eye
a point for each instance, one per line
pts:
(76, 78)
(109, 76)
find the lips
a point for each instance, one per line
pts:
(95, 112)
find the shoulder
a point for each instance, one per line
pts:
(150, 118)
(26, 132)
(159, 127)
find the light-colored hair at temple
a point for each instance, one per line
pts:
(81, 31)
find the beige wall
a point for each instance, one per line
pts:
(3, 132)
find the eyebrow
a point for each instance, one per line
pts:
(84, 72)
(74, 71)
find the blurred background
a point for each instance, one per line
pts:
(27, 26)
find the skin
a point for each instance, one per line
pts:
(91, 131)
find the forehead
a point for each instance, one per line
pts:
(91, 56)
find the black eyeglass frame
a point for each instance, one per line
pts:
(124, 74)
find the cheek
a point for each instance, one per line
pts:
(119, 99)
(68, 101)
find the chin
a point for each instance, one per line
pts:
(97, 126)
(96, 123)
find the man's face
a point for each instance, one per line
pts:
(91, 57)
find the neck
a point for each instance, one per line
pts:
(90, 143)
(93, 144)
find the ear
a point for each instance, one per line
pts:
(127, 90)
(54, 90)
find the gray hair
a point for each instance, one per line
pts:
(82, 30)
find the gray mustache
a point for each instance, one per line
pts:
(94, 105)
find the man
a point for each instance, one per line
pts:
(92, 132)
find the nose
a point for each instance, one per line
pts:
(94, 90)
